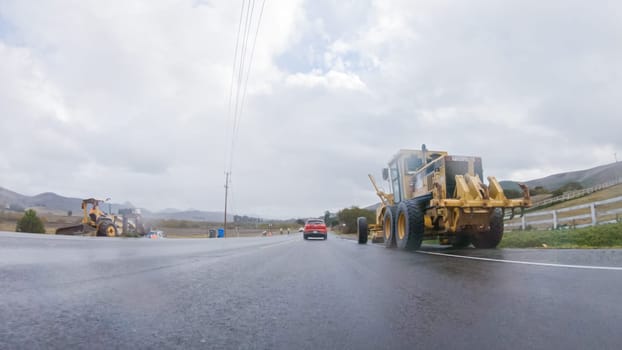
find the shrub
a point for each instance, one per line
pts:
(570, 186)
(513, 194)
(538, 190)
(30, 222)
(348, 216)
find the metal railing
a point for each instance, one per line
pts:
(591, 214)
(577, 193)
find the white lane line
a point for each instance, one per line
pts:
(587, 267)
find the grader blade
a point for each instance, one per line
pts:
(78, 229)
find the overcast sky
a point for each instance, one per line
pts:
(129, 99)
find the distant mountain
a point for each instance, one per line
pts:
(8, 197)
(47, 200)
(587, 178)
(510, 185)
(372, 207)
(56, 203)
(169, 211)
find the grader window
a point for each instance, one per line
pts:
(396, 182)
(413, 163)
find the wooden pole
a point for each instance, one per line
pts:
(226, 196)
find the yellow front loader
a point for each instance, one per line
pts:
(438, 196)
(94, 221)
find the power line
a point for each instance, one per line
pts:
(241, 71)
(235, 57)
(250, 65)
(236, 112)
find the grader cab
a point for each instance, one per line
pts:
(435, 195)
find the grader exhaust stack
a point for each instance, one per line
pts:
(436, 195)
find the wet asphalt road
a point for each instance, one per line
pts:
(286, 293)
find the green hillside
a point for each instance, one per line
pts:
(611, 192)
(586, 178)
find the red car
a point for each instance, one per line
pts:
(315, 228)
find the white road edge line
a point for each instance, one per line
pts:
(587, 267)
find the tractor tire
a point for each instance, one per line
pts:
(361, 228)
(107, 229)
(491, 237)
(410, 225)
(388, 227)
(461, 240)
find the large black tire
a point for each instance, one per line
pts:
(362, 229)
(100, 230)
(490, 238)
(107, 229)
(410, 225)
(388, 226)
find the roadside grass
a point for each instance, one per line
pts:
(602, 236)
(8, 227)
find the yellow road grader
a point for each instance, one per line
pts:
(435, 195)
(96, 222)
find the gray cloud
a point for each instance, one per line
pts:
(130, 102)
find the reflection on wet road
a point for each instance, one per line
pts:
(286, 293)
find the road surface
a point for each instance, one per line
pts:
(283, 292)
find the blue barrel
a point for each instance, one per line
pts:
(221, 232)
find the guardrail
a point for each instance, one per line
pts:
(591, 214)
(577, 193)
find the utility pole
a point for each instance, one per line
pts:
(615, 155)
(226, 196)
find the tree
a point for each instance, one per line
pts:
(570, 186)
(326, 216)
(538, 190)
(513, 193)
(300, 222)
(30, 222)
(348, 216)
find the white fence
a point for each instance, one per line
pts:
(591, 214)
(577, 193)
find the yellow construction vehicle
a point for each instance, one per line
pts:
(438, 196)
(94, 221)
